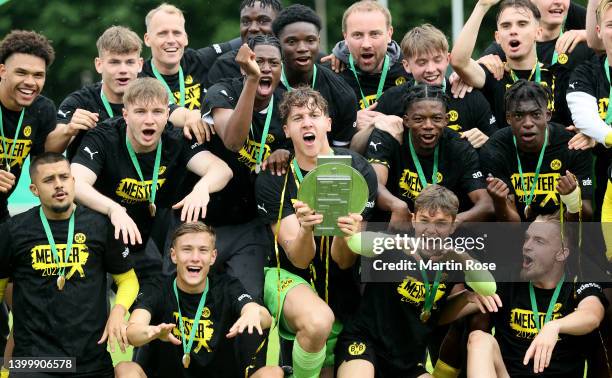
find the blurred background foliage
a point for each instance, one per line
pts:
(74, 27)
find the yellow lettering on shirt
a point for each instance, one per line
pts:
(20, 152)
(249, 151)
(603, 107)
(202, 335)
(413, 291)
(192, 95)
(523, 323)
(545, 186)
(42, 259)
(369, 99)
(133, 191)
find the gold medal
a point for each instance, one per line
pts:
(61, 281)
(152, 209)
(425, 315)
(527, 212)
(186, 360)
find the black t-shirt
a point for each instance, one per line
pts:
(343, 289)
(212, 354)
(225, 67)
(495, 91)
(498, 157)
(389, 317)
(472, 111)
(104, 151)
(52, 323)
(87, 98)
(515, 327)
(342, 104)
(368, 82)
(458, 166)
(195, 65)
(38, 122)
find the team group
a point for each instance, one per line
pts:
(179, 177)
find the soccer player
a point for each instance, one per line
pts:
(414, 308)
(297, 27)
(531, 165)
(426, 57)
(256, 17)
(197, 323)
(312, 316)
(131, 166)
(427, 152)
(27, 118)
(544, 318)
(588, 97)
(518, 28)
(118, 62)
(183, 71)
(58, 255)
(561, 46)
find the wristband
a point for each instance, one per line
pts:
(572, 201)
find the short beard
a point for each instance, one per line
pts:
(60, 209)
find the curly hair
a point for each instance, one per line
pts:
(300, 97)
(26, 42)
(295, 13)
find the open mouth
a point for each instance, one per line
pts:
(148, 133)
(428, 138)
(367, 57)
(309, 138)
(527, 262)
(514, 44)
(556, 12)
(302, 60)
(432, 79)
(171, 50)
(60, 196)
(26, 92)
(265, 86)
(193, 270)
(528, 137)
(123, 81)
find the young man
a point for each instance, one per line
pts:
(588, 99)
(28, 118)
(561, 46)
(518, 29)
(256, 17)
(183, 71)
(544, 319)
(534, 150)
(426, 57)
(198, 324)
(428, 153)
(297, 27)
(365, 347)
(118, 62)
(309, 314)
(58, 255)
(129, 167)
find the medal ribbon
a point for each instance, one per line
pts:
(381, 82)
(555, 57)
(551, 305)
(8, 155)
(417, 163)
(529, 197)
(106, 104)
(535, 69)
(196, 320)
(608, 112)
(155, 167)
(60, 269)
(430, 291)
(264, 134)
(286, 82)
(181, 85)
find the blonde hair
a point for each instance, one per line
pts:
(193, 228)
(366, 6)
(145, 90)
(166, 8)
(436, 197)
(119, 40)
(423, 39)
(602, 8)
